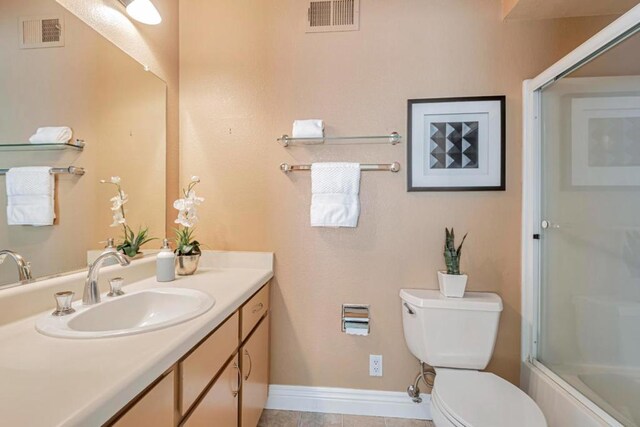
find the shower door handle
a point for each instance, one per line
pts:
(548, 224)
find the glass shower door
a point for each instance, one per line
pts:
(589, 302)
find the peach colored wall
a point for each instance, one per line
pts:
(247, 70)
(153, 46)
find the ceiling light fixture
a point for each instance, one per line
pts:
(142, 11)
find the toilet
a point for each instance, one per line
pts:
(457, 336)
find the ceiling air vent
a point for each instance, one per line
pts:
(333, 15)
(41, 31)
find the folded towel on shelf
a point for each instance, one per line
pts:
(334, 199)
(308, 129)
(51, 135)
(30, 196)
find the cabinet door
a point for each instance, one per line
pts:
(155, 408)
(219, 407)
(255, 374)
(201, 366)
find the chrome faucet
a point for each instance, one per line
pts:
(24, 268)
(91, 293)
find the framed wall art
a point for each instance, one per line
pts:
(456, 144)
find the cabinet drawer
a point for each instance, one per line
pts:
(201, 366)
(156, 408)
(219, 407)
(253, 310)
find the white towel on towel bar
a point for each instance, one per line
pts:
(51, 135)
(334, 194)
(30, 196)
(308, 129)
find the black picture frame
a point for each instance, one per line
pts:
(410, 141)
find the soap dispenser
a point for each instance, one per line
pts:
(166, 263)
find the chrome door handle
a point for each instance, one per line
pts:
(548, 224)
(236, 392)
(409, 309)
(246, 353)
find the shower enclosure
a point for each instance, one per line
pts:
(581, 239)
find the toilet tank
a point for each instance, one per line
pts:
(451, 332)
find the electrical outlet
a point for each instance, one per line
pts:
(375, 365)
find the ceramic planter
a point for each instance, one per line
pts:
(186, 265)
(452, 285)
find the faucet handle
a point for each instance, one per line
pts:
(63, 303)
(115, 285)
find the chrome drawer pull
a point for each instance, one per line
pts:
(246, 352)
(257, 308)
(236, 392)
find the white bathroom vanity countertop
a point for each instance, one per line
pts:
(47, 381)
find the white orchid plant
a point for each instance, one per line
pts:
(187, 219)
(131, 242)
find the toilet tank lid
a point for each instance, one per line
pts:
(428, 298)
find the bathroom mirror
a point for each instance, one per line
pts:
(57, 71)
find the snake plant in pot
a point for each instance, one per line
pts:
(452, 283)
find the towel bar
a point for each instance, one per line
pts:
(387, 167)
(393, 138)
(71, 170)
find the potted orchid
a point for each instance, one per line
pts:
(187, 248)
(131, 242)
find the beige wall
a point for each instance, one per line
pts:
(153, 46)
(111, 103)
(246, 78)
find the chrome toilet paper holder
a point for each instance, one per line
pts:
(355, 317)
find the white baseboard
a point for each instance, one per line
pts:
(348, 401)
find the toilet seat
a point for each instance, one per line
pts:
(480, 399)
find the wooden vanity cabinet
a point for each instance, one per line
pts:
(154, 408)
(206, 360)
(219, 407)
(223, 381)
(255, 374)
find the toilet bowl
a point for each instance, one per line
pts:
(457, 336)
(465, 398)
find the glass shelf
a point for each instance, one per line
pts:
(393, 139)
(77, 145)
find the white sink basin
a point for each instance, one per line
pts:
(132, 313)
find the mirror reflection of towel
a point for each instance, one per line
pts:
(30, 196)
(51, 135)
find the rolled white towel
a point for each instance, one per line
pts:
(308, 129)
(52, 135)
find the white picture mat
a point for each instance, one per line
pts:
(584, 109)
(488, 175)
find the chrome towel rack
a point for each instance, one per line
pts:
(71, 170)
(384, 167)
(393, 139)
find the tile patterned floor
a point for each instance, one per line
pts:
(272, 418)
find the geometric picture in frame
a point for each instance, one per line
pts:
(456, 144)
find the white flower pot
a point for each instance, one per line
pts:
(452, 285)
